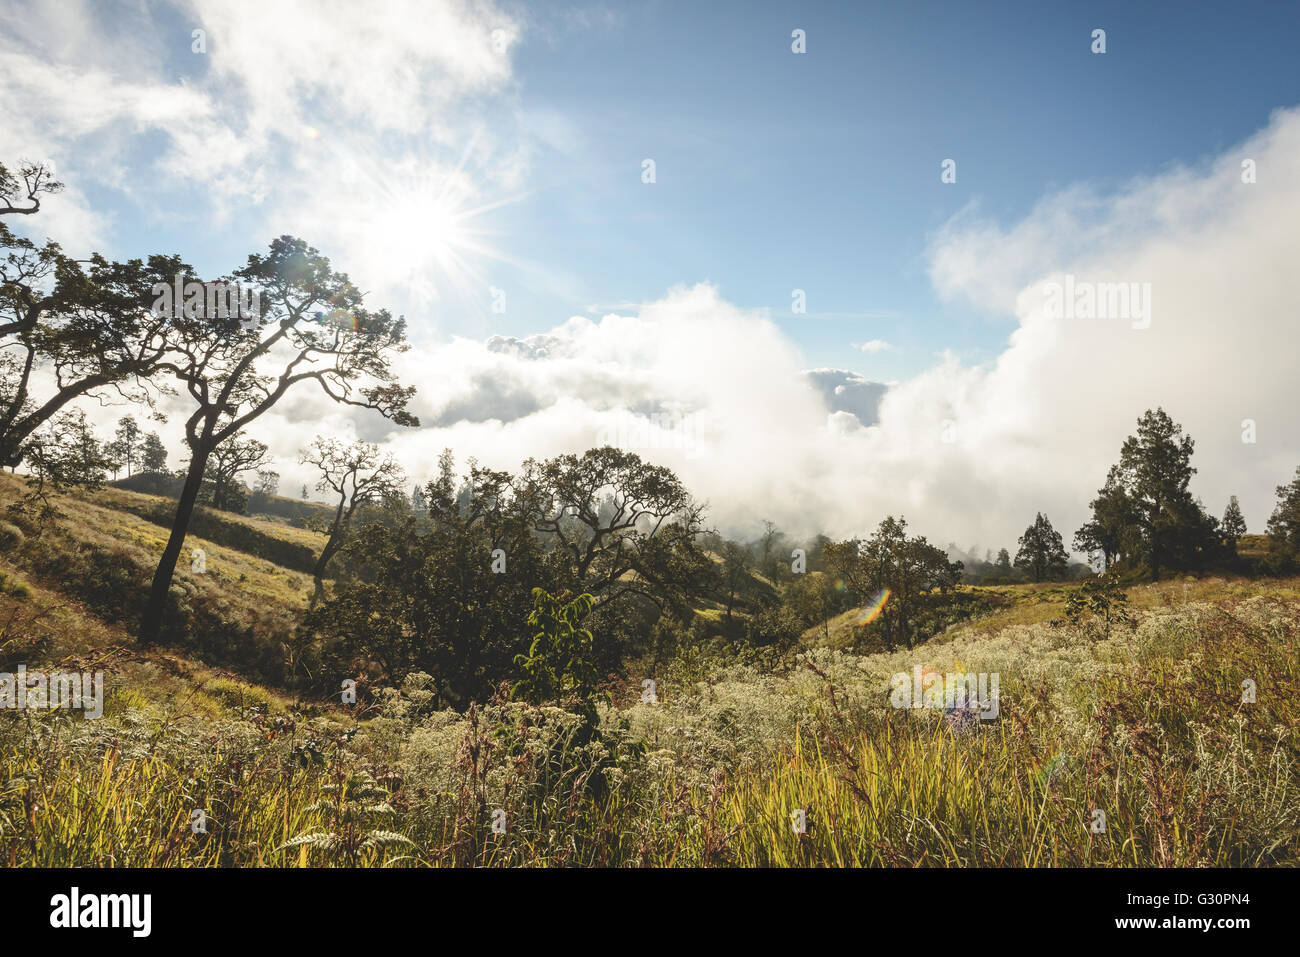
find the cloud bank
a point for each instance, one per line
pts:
(967, 452)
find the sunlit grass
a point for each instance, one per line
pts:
(1147, 726)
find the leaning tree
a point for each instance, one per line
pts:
(312, 327)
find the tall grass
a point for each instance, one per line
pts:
(1147, 726)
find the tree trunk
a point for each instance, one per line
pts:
(332, 543)
(341, 520)
(151, 626)
(219, 492)
(11, 452)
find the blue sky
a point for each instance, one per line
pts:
(438, 151)
(819, 171)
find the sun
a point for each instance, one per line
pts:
(419, 229)
(417, 224)
(424, 225)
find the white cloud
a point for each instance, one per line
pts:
(967, 453)
(279, 118)
(872, 346)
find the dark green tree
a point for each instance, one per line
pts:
(1233, 525)
(1042, 551)
(153, 454)
(446, 593)
(1284, 525)
(899, 570)
(1154, 470)
(1113, 529)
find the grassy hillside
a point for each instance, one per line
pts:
(1146, 725)
(100, 551)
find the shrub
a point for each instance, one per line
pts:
(11, 537)
(1100, 599)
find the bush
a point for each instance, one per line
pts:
(11, 537)
(1100, 599)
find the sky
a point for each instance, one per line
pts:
(829, 331)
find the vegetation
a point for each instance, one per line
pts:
(1041, 550)
(563, 665)
(1146, 725)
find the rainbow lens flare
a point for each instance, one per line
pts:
(874, 610)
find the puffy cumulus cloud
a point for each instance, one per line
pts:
(1044, 420)
(277, 116)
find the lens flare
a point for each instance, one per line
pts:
(874, 610)
(339, 319)
(1052, 768)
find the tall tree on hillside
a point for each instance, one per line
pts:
(1004, 562)
(356, 474)
(1284, 524)
(1155, 468)
(1233, 525)
(1113, 529)
(233, 457)
(68, 328)
(1041, 550)
(153, 454)
(128, 443)
(313, 327)
(894, 569)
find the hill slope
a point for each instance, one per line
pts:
(1147, 726)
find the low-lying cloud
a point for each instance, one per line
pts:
(966, 452)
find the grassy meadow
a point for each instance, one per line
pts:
(194, 765)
